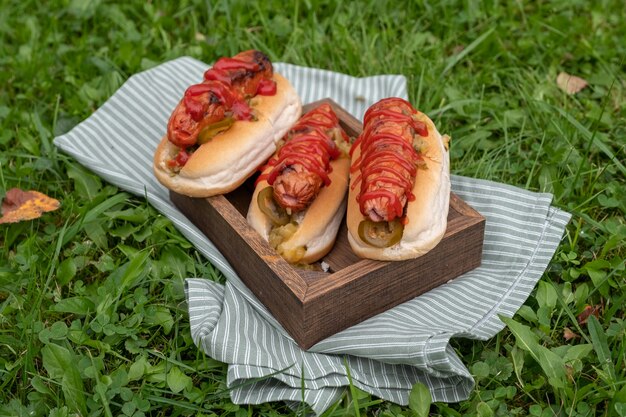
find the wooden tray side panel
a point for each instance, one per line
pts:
(357, 296)
(268, 276)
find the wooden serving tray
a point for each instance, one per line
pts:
(312, 304)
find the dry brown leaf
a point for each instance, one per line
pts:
(571, 84)
(19, 205)
(568, 334)
(588, 311)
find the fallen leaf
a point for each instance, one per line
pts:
(19, 205)
(588, 311)
(568, 334)
(571, 84)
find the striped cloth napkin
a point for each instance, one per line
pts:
(384, 355)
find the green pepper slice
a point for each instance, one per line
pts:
(210, 131)
(381, 234)
(267, 204)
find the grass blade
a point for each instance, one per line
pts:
(592, 138)
(552, 364)
(353, 391)
(302, 409)
(569, 313)
(458, 57)
(93, 214)
(61, 365)
(601, 346)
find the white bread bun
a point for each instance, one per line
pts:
(317, 225)
(228, 159)
(427, 215)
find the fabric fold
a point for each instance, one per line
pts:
(204, 303)
(386, 354)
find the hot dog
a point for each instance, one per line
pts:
(399, 183)
(300, 197)
(226, 126)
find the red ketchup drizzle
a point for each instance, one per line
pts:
(195, 104)
(394, 208)
(381, 141)
(180, 159)
(419, 127)
(307, 143)
(241, 110)
(266, 87)
(387, 160)
(226, 63)
(214, 75)
(217, 84)
(310, 162)
(383, 104)
(219, 70)
(321, 118)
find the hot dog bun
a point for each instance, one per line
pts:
(300, 196)
(318, 225)
(228, 159)
(426, 215)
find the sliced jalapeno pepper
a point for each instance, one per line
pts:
(210, 131)
(381, 234)
(267, 204)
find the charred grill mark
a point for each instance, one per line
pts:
(261, 59)
(214, 99)
(241, 75)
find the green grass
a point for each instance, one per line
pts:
(99, 283)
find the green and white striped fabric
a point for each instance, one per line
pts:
(386, 354)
